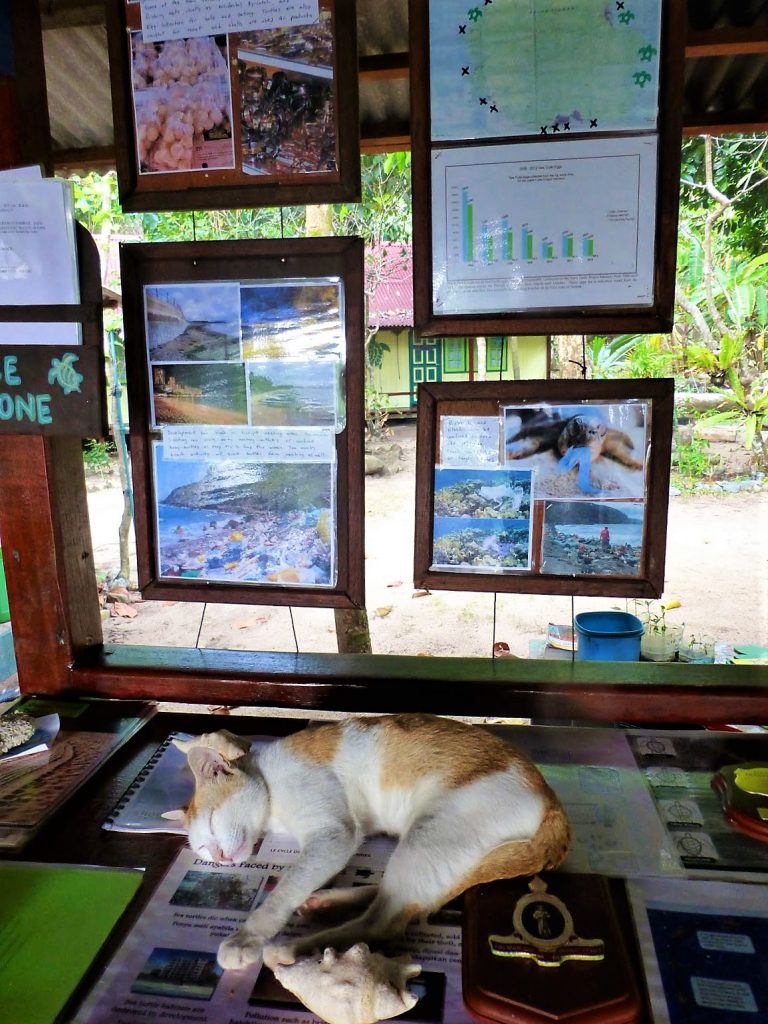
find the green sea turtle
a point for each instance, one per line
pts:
(63, 372)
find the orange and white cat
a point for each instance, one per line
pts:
(466, 806)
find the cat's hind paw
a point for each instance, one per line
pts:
(240, 950)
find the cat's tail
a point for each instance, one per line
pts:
(552, 839)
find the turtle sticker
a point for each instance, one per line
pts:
(63, 373)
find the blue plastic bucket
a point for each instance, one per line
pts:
(608, 636)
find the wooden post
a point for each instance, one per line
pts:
(47, 557)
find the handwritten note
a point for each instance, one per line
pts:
(469, 441)
(249, 444)
(186, 19)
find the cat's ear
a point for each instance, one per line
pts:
(179, 814)
(225, 742)
(209, 765)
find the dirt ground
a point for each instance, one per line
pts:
(717, 567)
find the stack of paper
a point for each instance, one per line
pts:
(38, 255)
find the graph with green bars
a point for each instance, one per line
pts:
(500, 242)
(556, 219)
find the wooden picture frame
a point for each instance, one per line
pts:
(520, 480)
(277, 123)
(490, 269)
(219, 372)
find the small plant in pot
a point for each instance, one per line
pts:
(661, 639)
(697, 647)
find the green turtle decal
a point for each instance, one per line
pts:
(63, 372)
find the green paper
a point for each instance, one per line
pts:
(53, 921)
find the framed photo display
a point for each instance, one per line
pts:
(546, 155)
(543, 487)
(246, 407)
(234, 105)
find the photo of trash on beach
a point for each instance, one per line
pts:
(290, 393)
(246, 522)
(582, 450)
(198, 322)
(482, 519)
(299, 319)
(593, 538)
(211, 393)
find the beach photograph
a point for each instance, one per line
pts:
(291, 393)
(292, 319)
(593, 538)
(205, 393)
(245, 522)
(581, 450)
(193, 322)
(483, 493)
(481, 545)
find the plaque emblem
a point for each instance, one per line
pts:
(544, 931)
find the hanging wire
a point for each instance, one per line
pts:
(573, 629)
(200, 630)
(293, 627)
(583, 357)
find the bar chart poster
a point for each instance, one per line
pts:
(543, 67)
(528, 226)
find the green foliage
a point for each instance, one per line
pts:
(97, 456)
(692, 459)
(752, 412)
(630, 355)
(739, 164)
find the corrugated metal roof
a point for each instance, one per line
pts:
(726, 71)
(389, 285)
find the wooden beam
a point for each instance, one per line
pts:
(582, 690)
(383, 66)
(725, 122)
(71, 13)
(727, 42)
(90, 158)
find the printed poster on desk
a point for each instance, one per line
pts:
(234, 105)
(245, 372)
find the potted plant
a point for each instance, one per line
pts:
(661, 639)
(697, 647)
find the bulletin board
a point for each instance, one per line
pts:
(546, 153)
(244, 364)
(543, 487)
(234, 105)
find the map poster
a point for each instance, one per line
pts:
(543, 67)
(540, 225)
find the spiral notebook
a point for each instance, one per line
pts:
(165, 783)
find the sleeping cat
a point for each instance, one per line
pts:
(466, 806)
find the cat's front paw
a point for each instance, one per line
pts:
(275, 954)
(240, 950)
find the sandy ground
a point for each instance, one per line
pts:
(717, 567)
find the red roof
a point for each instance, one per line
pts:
(389, 284)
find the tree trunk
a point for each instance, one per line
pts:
(353, 635)
(569, 356)
(319, 221)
